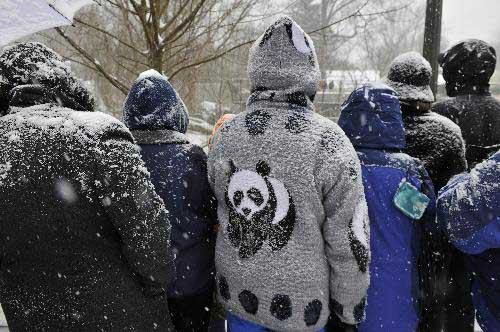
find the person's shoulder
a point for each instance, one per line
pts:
(442, 123)
(383, 158)
(65, 119)
(491, 102)
(489, 167)
(100, 125)
(194, 151)
(404, 158)
(444, 103)
(331, 139)
(326, 127)
(192, 154)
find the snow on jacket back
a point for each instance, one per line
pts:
(85, 239)
(158, 119)
(293, 222)
(371, 118)
(469, 209)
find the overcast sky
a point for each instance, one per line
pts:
(464, 19)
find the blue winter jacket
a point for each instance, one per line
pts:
(469, 211)
(158, 120)
(371, 118)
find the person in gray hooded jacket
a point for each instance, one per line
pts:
(293, 234)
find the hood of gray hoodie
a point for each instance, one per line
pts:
(283, 60)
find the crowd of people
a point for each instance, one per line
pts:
(386, 221)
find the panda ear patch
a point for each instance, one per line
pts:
(263, 168)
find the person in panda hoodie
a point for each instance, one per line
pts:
(294, 233)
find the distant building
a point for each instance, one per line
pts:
(344, 81)
(338, 85)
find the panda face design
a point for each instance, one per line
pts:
(260, 208)
(248, 193)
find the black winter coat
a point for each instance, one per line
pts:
(84, 239)
(478, 116)
(436, 141)
(158, 119)
(179, 173)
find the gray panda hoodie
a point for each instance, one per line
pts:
(293, 233)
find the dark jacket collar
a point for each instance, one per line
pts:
(164, 136)
(261, 98)
(415, 108)
(462, 89)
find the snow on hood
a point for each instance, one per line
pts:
(410, 75)
(153, 104)
(284, 59)
(36, 64)
(371, 118)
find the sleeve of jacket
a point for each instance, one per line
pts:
(202, 198)
(346, 227)
(468, 208)
(137, 212)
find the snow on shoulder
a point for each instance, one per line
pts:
(63, 120)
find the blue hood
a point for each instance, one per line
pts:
(371, 118)
(153, 104)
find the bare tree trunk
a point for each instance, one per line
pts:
(432, 37)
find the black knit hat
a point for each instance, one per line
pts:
(410, 75)
(470, 63)
(36, 64)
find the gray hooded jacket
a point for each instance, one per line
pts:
(293, 219)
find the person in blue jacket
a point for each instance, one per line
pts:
(371, 118)
(469, 211)
(158, 120)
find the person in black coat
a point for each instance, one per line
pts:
(432, 138)
(467, 69)
(158, 119)
(438, 143)
(84, 241)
